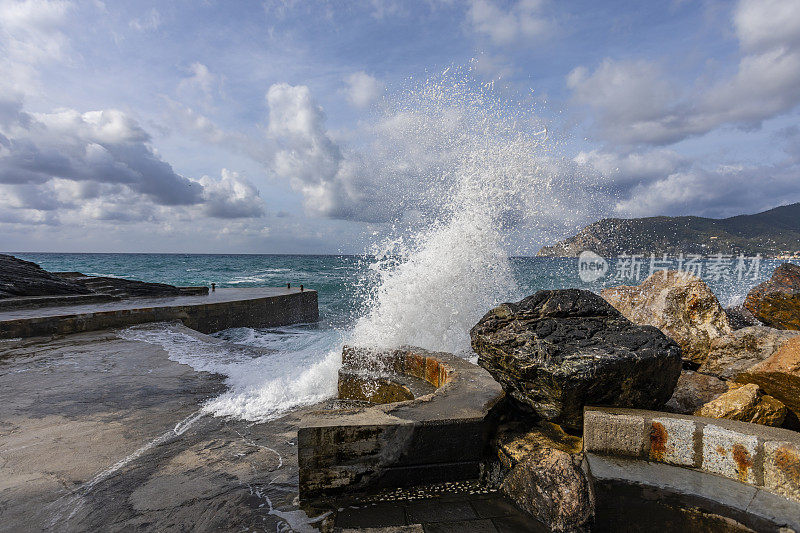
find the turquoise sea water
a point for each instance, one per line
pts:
(301, 365)
(341, 281)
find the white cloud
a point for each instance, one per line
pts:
(412, 156)
(635, 104)
(231, 196)
(150, 21)
(363, 89)
(101, 165)
(492, 66)
(30, 35)
(765, 24)
(720, 192)
(625, 170)
(523, 20)
(201, 84)
(307, 156)
(382, 9)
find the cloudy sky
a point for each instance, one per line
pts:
(219, 126)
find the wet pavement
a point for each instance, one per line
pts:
(98, 433)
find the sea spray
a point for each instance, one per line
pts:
(454, 167)
(484, 175)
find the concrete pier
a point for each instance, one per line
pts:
(221, 309)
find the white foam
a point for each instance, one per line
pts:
(261, 386)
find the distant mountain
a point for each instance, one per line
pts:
(772, 233)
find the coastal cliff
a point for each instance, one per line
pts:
(772, 233)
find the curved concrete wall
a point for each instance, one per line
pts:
(438, 437)
(750, 470)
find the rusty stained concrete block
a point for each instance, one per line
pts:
(672, 441)
(730, 454)
(614, 434)
(782, 468)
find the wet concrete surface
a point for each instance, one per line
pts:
(98, 433)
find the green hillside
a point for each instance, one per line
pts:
(771, 233)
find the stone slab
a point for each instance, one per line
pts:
(416, 528)
(672, 441)
(730, 453)
(614, 434)
(782, 468)
(466, 507)
(673, 479)
(785, 514)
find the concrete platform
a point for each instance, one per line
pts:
(222, 309)
(102, 433)
(649, 465)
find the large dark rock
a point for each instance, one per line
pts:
(23, 278)
(20, 278)
(776, 302)
(556, 351)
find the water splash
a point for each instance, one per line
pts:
(458, 166)
(263, 384)
(480, 168)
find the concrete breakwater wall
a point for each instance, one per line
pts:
(222, 309)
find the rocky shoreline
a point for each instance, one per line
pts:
(665, 348)
(25, 281)
(666, 344)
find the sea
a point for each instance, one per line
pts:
(426, 301)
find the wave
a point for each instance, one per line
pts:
(291, 370)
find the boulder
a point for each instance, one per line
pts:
(680, 305)
(20, 278)
(748, 404)
(693, 391)
(544, 476)
(556, 351)
(776, 302)
(735, 353)
(779, 375)
(740, 317)
(23, 278)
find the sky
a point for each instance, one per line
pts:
(283, 126)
